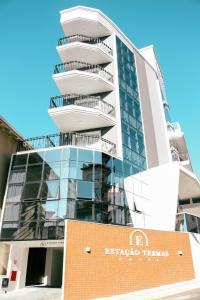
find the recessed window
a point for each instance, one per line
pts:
(196, 200)
(184, 202)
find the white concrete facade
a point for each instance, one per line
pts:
(153, 195)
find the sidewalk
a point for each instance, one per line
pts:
(33, 293)
(157, 293)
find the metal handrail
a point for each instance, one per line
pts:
(70, 139)
(84, 39)
(90, 101)
(83, 66)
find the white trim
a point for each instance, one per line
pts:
(138, 85)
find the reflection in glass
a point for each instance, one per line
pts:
(30, 211)
(51, 171)
(50, 189)
(34, 173)
(31, 190)
(52, 155)
(84, 210)
(19, 160)
(191, 222)
(17, 175)
(180, 223)
(51, 210)
(63, 188)
(71, 189)
(85, 189)
(14, 192)
(12, 212)
(64, 169)
(85, 156)
(36, 158)
(63, 209)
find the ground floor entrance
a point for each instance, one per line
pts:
(44, 267)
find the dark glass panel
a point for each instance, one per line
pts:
(31, 191)
(97, 191)
(60, 230)
(47, 230)
(8, 230)
(84, 210)
(27, 231)
(30, 211)
(19, 160)
(34, 173)
(36, 158)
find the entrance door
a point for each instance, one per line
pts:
(36, 266)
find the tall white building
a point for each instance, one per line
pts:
(117, 158)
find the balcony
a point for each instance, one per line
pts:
(84, 21)
(178, 144)
(81, 47)
(81, 112)
(82, 78)
(89, 141)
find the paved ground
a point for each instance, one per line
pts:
(189, 295)
(42, 293)
(33, 293)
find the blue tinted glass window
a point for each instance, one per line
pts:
(52, 155)
(132, 132)
(85, 189)
(85, 156)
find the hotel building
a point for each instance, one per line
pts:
(117, 159)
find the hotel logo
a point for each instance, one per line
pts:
(138, 246)
(138, 238)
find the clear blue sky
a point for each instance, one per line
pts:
(29, 30)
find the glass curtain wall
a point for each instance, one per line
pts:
(48, 186)
(132, 132)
